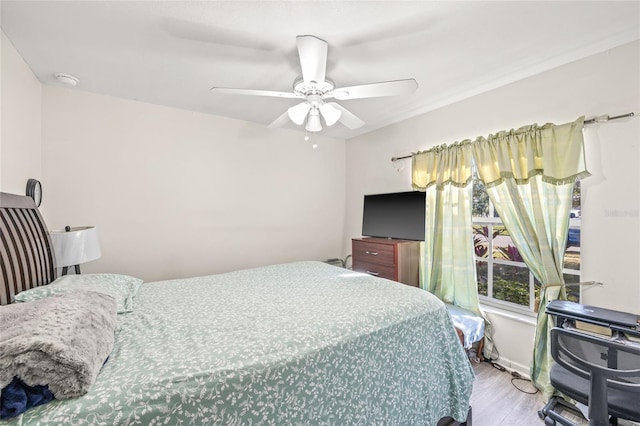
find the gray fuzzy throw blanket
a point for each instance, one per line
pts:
(61, 341)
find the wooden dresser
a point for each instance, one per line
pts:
(397, 260)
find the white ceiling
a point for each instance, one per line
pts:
(172, 52)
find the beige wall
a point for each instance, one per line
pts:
(604, 83)
(20, 129)
(176, 193)
(173, 193)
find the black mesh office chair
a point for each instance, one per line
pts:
(601, 373)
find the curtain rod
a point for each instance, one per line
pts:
(598, 119)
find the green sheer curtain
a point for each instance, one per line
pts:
(448, 264)
(445, 174)
(529, 175)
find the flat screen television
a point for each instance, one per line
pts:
(399, 215)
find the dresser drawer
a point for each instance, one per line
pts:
(369, 252)
(375, 269)
(397, 260)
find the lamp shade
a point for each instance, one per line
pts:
(330, 113)
(76, 246)
(298, 113)
(313, 122)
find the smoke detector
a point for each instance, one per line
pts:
(67, 79)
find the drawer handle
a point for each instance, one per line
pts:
(375, 274)
(372, 253)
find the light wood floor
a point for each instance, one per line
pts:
(497, 402)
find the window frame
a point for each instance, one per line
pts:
(492, 220)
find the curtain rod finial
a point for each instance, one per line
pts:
(397, 166)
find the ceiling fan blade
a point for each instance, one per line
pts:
(374, 90)
(280, 121)
(253, 92)
(347, 118)
(330, 113)
(298, 113)
(313, 58)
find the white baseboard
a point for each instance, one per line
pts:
(511, 366)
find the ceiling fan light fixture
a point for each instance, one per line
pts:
(330, 114)
(313, 122)
(298, 113)
(314, 89)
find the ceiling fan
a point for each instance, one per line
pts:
(315, 88)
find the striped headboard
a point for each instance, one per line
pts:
(26, 254)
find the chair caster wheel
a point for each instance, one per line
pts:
(541, 414)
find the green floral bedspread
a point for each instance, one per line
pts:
(296, 344)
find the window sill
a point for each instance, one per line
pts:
(528, 318)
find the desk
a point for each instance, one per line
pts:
(621, 326)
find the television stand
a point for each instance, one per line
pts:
(397, 260)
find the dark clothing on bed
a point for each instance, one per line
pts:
(18, 397)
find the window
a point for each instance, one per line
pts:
(503, 277)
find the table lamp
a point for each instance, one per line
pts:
(74, 246)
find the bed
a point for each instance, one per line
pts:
(298, 343)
